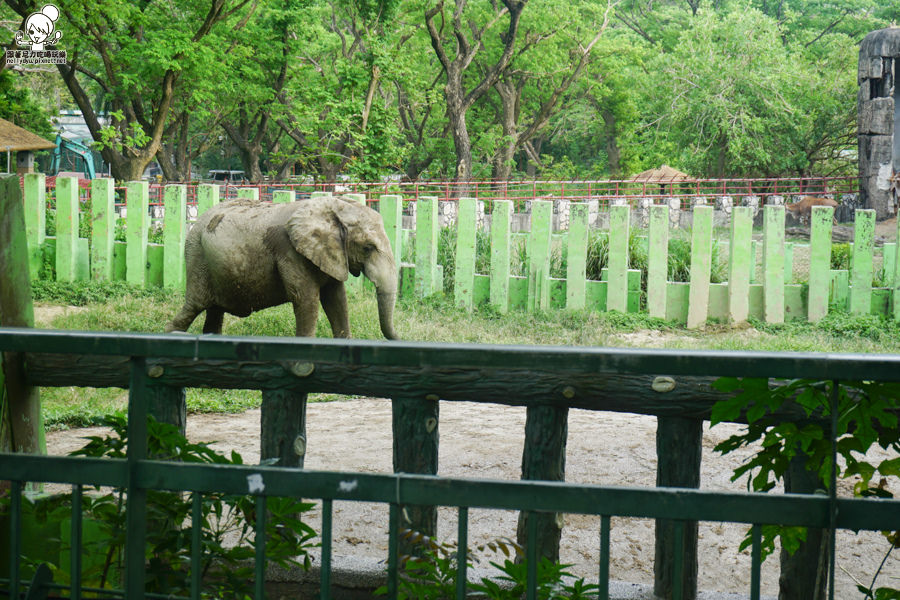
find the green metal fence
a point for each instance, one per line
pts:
(407, 370)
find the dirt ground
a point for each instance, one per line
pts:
(485, 441)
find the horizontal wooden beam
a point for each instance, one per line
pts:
(690, 397)
(563, 360)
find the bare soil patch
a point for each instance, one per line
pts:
(483, 441)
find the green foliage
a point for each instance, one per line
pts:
(432, 573)
(81, 293)
(446, 253)
(122, 135)
(227, 540)
(841, 254)
(839, 325)
(19, 107)
(355, 87)
(866, 417)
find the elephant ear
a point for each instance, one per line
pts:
(317, 233)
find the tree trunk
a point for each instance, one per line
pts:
(612, 143)
(506, 149)
(531, 166)
(463, 146)
(250, 155)
(130, 169)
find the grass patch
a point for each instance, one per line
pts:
(82, 293)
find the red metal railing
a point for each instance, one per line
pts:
(528, 190)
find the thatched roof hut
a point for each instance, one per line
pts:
(21, 141)
(664, 174)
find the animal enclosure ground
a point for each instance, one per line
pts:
(485, 441)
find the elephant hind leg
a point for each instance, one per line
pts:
(214, 317)
(183, 319)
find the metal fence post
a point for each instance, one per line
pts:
(136, 508)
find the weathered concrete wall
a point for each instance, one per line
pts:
(879, 148)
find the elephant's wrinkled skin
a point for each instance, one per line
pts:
(243, 256)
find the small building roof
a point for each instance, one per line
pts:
(664, 174)
(15, 139)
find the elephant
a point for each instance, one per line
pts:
(245, 255)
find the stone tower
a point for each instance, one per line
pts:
(879, 115)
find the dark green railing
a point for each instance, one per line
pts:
(558, 376)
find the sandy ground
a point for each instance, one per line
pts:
(485, 441)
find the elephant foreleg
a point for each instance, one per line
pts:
(306, 313)
(334, 301)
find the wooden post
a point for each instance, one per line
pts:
(861, 272)
(658, 260)
(167, 404)
(464, 273)
(773, 264)
(500, 226)
(283, 427)
(819, 261)
(701, 264)
(103, 220)
(174, 233)
(617, 287)
(66, 227)
(208, 196)
(576, 269)
(800, 571)
(678, 451)
(35, 219)
(21, 428)
(415, 429)
(741, 263)
(544, 458)
(137, 224)
(539, 241)
(426, 246)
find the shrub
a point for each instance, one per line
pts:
(225, 569)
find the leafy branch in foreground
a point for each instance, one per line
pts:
(866, 416)
(227, 532)
(433, 573)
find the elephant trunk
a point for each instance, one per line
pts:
(386, 301)
(382, 271)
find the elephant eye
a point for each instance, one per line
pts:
(369, 248)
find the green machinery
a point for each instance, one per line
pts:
(82, 152)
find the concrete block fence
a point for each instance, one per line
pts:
(547, 225)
